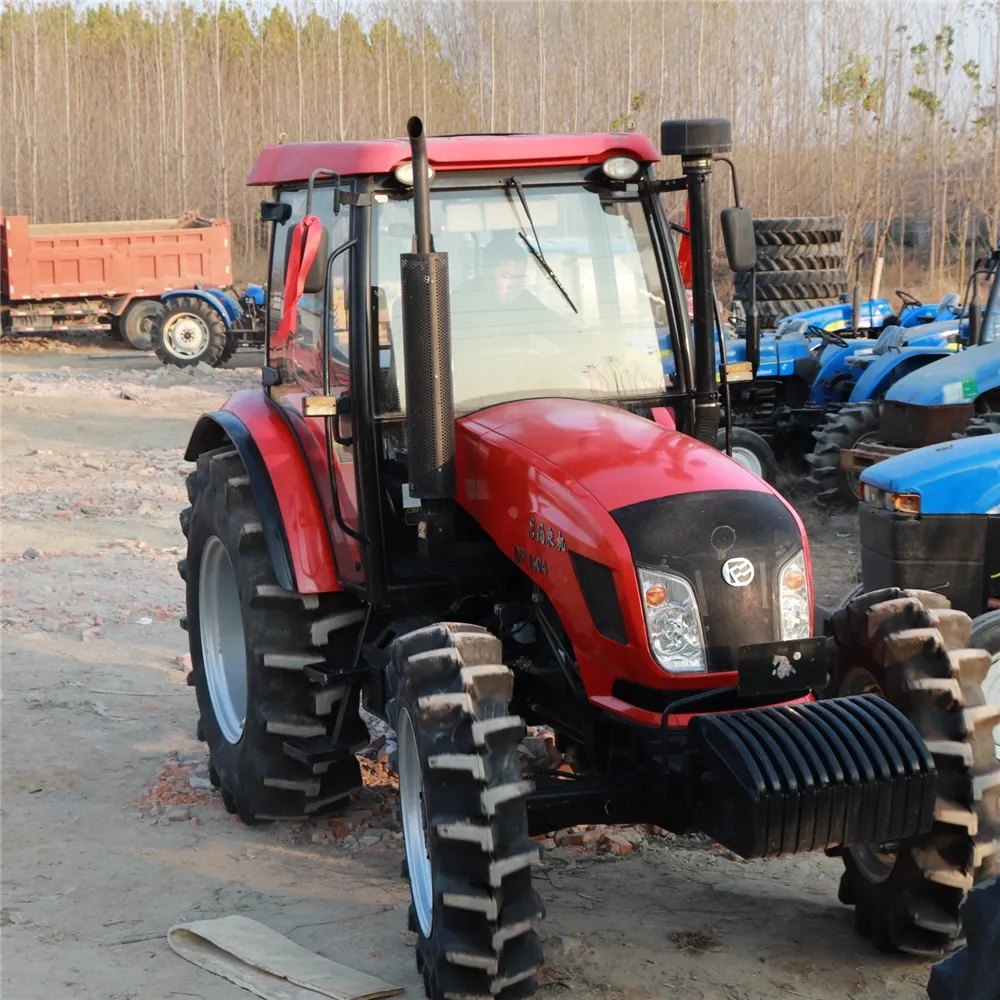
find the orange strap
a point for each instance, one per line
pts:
(684, 250)
(305, 239)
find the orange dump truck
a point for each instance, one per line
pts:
(81, 276)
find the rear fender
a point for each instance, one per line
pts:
(295, 530)
(887, 369)
(222, 306)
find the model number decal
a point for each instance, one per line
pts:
(538, 532)
(522, 557)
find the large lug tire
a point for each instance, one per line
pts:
(912, 648)
(771, 312)
(973, 972)
(797, 231)
(986, 423)
(802, 257)
(189, 332)
(465, 823)
(780, 286)
(138, 323)
(752, 452)
(281, 729)
(986, 635)
(840, 431)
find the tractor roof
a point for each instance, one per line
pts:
(295, 161)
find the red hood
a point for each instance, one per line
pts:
(618, 457)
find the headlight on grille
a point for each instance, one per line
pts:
(673, 622)
(793, 598)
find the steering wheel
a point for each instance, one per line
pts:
(906, 298)
(827, 336)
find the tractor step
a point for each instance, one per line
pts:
(329, 673)
(792, 779)
(318, 752)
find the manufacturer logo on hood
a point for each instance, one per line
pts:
(738, 572)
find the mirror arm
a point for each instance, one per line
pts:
(732, 171)
(322, 172)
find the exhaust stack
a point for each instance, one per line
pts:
(430, 405)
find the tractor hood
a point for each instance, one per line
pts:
(957, 477)
(838, 317)
(619, 458)
(952, 381)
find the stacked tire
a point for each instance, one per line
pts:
(800, 265)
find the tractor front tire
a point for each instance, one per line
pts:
(264, 660)
(752, 452)
(465, 822)
(911, 648)
(840, 431)
(138, 323)
(986, 635)
(191, 331)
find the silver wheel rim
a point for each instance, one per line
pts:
(411, 796)
(991, 689)
(874, 861)
(185, 335)
(223, 645)
(749, 460)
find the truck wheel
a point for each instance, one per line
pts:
(281, 729)
(841, 431)
(465, 823)
(986, 635)
(752, 452)
(138, 321)
(911, 648)
(190, 331)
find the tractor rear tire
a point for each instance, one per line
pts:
(465, 822)
(911, 648)
(841, 431)
(752, 452)
(771, 312)
(189, 332)
(985, 423)
(783, 285)
(264, 660)
(797, 231)
(986, 635)
(138, 323)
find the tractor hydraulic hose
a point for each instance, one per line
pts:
(698, 172)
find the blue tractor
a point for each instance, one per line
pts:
(207, 325)
(930, 520)
(908, 391)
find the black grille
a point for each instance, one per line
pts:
(430, 420)
(693, 534)
(597, 583)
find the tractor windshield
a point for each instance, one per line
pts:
(562, 300)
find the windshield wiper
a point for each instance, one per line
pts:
(536, 249)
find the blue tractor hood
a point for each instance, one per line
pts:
(953, 380)
(957, 477)
(837, 317)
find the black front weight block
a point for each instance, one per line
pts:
(797, 778)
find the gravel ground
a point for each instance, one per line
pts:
(112, 833)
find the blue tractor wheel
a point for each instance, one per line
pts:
(841, 431)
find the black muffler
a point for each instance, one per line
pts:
(430, 405)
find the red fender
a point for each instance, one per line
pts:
(280, 476)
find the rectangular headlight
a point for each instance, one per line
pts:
(793, 598)
(673, 622)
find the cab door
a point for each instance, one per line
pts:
(301, 363)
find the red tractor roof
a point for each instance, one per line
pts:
(296, 161)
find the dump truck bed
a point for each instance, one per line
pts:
(111, 260)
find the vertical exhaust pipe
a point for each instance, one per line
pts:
(430, 404)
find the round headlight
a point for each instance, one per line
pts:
(404, 173)
(620, 168)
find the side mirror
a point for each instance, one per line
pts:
(737, 234)
(275, 211)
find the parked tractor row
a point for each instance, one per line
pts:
(479, 488)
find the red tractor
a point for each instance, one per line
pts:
(467, 497)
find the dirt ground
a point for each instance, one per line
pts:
(98, 722)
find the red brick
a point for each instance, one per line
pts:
(583, 838)
(624, 849)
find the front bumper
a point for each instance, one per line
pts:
(826, 774)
